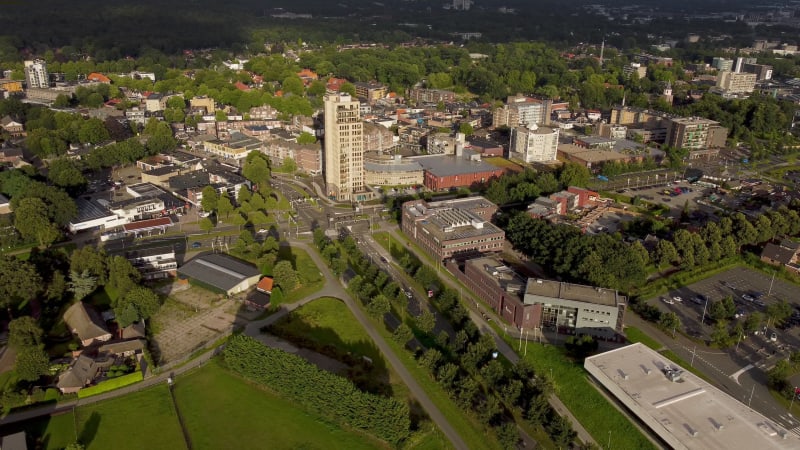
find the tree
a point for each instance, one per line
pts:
(64, 173)
(209, 200)
(62, 101)
(402, 334)
(24, 332)
(722, 309)
(669, 321)
(292, 84)
(256, 169)
(122, 276)
(665, 253)
(224, 205)
(306, 138)
(753, 322)
(32, 362)
(573, 174)
(720, 336)
(379, 306)
(142, 300)
(32, 222)
(206, 224)
(466, 129)
(82, 284)
(20, 282)
(431, 359)
(348, 88)
(88, 259)
(285, 276)
(244, 195)
(425, 322)
(779, 311)
(93, 131)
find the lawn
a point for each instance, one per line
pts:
(307, 271)
(252, 417)
(143, 419)
(591, 409)
(636, 335)
(328, 321)
(48, 432)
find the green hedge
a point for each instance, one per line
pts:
(317, 390)
(110, 385)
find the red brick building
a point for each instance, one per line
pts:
(443, 172)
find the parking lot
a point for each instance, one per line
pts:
(736, 283)
(675, 201)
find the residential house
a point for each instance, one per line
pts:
(12, 127)
(126, 348)
(81, 373)
(784, 254)
(83, 321)
(98, 78)
(260, 297)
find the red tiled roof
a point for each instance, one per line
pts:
(241, 86)
(95, 76)
(147, 224)
(265, 284)
(307, 73)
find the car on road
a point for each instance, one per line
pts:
(196, 245)
(667, 300)
(677, 299)
(773, 337)
(408, 293)
(384, 260)
(748, 297)
(261, 231)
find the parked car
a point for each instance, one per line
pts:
(196, 245)
(773, 337)
(677, 299)
(748, 297)
(667, 300)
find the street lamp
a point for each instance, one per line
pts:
(703, 320)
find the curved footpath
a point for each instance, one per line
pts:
(332, 288)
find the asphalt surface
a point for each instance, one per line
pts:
(741, 370)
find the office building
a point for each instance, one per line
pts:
(637, 68)
(763, 71)
(370, 91)
(534, 143)
(520, 111)
(458, 228)
(736, 82)
(344, 154)
(36, 74)
(722, 63)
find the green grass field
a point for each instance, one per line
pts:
(48, 432)
(221, 409)
(326, 321)
(144, 419)
(310, 277)
(589, 406)
(636, 335)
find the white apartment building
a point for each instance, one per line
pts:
(36, 74)
(534, 143)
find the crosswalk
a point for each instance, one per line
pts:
(796, 430)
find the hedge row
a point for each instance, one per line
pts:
(110, 385)
(317, 390)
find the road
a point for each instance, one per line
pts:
(332, 288)
(483, 326)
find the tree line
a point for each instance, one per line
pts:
(463, 363)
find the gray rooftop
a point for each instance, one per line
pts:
(687, 413)
(217, 270)
(90, 210)
(548, 289)
(447, 165)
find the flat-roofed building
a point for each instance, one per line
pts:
(443, 172)
(391, 170)
(683, 410)
(344, 148)
(421, 95)
(221, 272)
(736, 82)
(237, 147)
(575, 309)
(453, 228)
(153, 263)
(533, 143)
(370, 91)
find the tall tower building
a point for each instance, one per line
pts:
(36, 74)
(344, 152)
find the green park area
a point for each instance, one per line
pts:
(326, 325)
(219, 408)
(309, 278)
